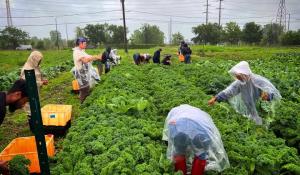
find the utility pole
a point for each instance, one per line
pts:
(170, 31)
(67, 34)
(206, 11)
(8, 14)
(281, 15)
(124, 25)
(220, 7)
(56, 34)
(289, 22)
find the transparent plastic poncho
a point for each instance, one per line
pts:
(115, 57)
(243, 95)
(203, 138)
(86, 76)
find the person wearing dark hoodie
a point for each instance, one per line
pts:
(167, 60)
(105, 59)
(156, 56)
(137, 58)
(186, 52)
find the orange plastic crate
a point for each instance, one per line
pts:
(56, 115)
(75, 85)
(181, 58)
(26, 146)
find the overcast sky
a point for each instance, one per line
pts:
(37, 17)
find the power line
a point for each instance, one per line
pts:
(69, 23)
(75, 14)
(136, 19)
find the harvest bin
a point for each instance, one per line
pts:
(181, 58)
(26, 146)
(56, 118)
(75, 86)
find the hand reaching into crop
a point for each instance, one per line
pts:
(264, 96)
(97, 57)
(45, 82)
(212, 101)
(3, 168)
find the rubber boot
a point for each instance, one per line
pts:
(180, 164)
(198, 166)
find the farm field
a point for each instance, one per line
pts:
(118, 129)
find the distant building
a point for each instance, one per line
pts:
(24, 47)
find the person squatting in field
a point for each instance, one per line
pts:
(192, 137)
(246, 90)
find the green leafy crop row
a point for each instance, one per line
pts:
(120, 125)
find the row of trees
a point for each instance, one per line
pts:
(212, 33)
(252, 33)
(113, 34)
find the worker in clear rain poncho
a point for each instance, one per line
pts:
(192, 137)
(244, 92)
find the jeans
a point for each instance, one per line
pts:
(187, 59)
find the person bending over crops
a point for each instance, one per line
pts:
(82, 62)
(146, 58)
(33, 62)
(246, 90)
(193, 137)
(15, 98)
(167, 60)
(116, 59)
(137, 58)
(105, 58)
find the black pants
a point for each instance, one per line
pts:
(83, 93)
(100, 68)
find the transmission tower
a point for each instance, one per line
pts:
(8, 15)
(281, 15)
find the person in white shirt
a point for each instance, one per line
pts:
(82, 62)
